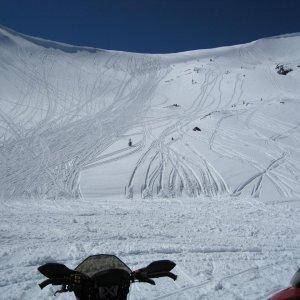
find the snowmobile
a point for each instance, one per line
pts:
(102, 277)
(290, 293)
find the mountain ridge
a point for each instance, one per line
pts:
(60, 45)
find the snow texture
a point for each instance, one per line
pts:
(221, 201)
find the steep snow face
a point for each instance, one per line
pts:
(69, 111)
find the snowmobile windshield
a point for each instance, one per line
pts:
(101, 262)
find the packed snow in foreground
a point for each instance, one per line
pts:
(193, 157)
(224, 248)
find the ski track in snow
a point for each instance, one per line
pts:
(221, 201)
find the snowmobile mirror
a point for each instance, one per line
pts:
(55, 270)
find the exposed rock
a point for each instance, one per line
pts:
(283, 69)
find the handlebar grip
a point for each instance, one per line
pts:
(142, 278)
(55, 281)
(162, 274)
(172, 275)
(45, 283)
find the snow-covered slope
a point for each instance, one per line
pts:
(220, 123)
(67, 109)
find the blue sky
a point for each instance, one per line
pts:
(151, 26)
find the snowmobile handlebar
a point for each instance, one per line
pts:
(80, 281)
(136, 276)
